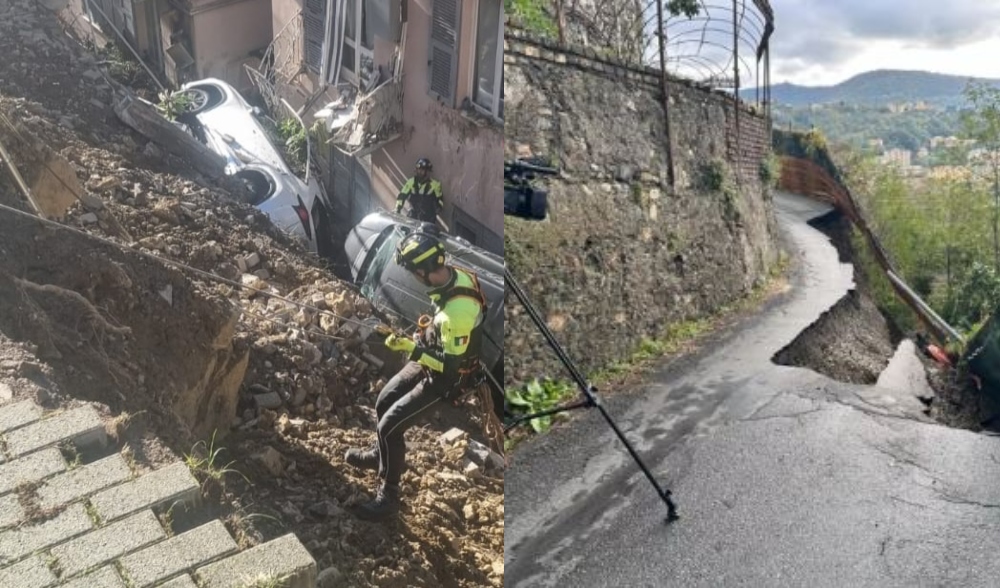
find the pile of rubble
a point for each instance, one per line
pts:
(313, 365)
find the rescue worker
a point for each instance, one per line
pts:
(424, 193)
(443, 360)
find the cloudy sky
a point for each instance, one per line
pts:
(827, 41)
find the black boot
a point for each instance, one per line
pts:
(385, 505)
(366, 459)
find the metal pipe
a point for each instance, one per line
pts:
(9, 162)
(923, 309)
(665, 89)
(130, 48)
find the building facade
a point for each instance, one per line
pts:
(419, 78)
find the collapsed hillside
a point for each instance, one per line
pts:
(182, 357)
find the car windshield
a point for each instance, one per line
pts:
(373, 277)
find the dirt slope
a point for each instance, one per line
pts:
(176, 356)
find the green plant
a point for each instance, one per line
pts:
(293, 135)
(540, 396)
(203, 463)
(266, 581)
(174, 104)
(713, 175)
(770, 170)
(72, 455)
(532, 15)
(121, 66)
(814, 142)
(91, 510)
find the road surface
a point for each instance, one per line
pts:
(782, 476)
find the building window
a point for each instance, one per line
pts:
(358, 58)
(445, 26)
(358, 48)
(487, 92)
(314, 19)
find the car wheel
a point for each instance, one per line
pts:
(258, 185)
(200, 98)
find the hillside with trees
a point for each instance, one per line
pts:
(856, 125)
(942, 231)
(881, 87)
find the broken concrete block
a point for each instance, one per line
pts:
(271, 460)
(252, 260)
(484, 456)
(269, 400)
(452, 436)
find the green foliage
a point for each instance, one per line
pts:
(205, 464)
(770, 170)
(814, 142)
(975, 296)
(982, 121)
(532, 15)
(122, 67)
(173, 104)
(539, 396)
(689, 8)
(294, 137)
(713, 175)
(855, 125)
(938, 234)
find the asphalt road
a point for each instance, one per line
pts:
(782, 476)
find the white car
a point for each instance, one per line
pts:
(230, 127)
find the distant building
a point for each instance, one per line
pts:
(875, 145)
(898, 157)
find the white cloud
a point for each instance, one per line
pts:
(826, 42)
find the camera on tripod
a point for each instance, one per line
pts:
(520, 197)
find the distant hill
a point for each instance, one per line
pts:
(880, 87)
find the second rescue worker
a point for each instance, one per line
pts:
(424, 194)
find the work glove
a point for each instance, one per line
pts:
(400, 343)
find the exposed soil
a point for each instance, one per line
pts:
(173, 357)
(853, 341)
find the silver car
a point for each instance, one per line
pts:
(392, 290)
(229, 126)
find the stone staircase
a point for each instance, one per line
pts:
(94, 526)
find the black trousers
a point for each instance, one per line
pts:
(423, 209)
(401, 402)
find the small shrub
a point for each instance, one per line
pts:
(540, 396)
(770, 170)
(713, 175)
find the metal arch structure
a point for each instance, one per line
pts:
(724, 47)
(724, 36)
(731, 35)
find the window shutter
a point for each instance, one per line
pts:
(444, 49)
(313, 16)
